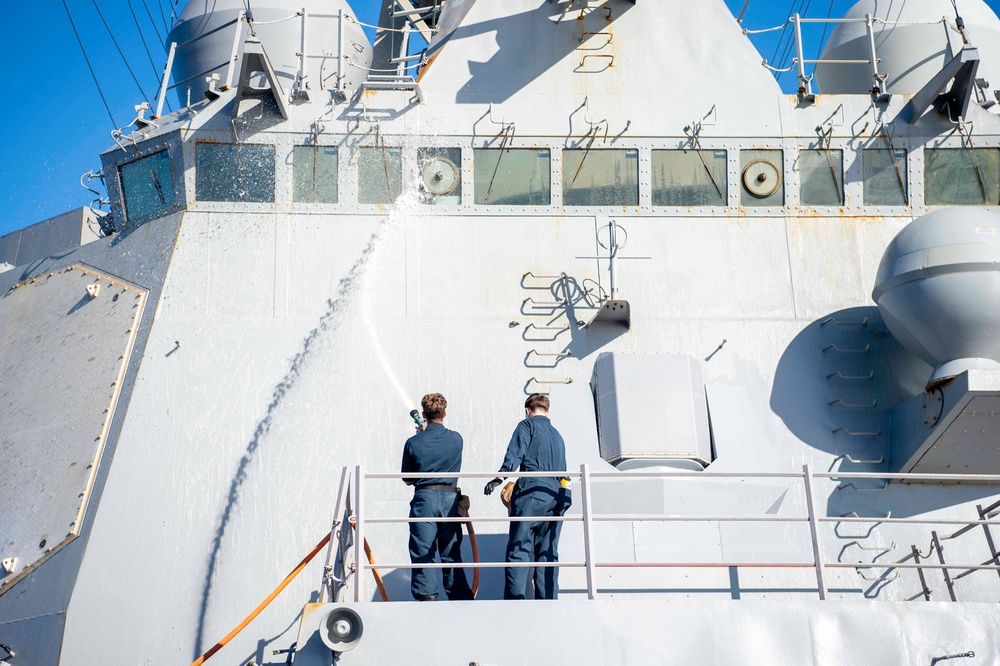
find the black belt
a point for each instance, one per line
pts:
(442, 488)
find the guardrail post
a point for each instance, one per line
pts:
(588, 535)
(879, 83)
(166, 79)
(359, 536)
(814, 530)
(300, 84)
(805, 85)
(340, 49)
(236, 50)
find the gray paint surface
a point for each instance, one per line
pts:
(308, 331)
(652, 632)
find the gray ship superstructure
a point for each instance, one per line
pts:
(766, 322)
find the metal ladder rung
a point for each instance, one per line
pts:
(832, 320)
(839, 375)
(568, 380)
(847, 458)
(876, 432)
(873, 403)
(833, 347)
(545, 304)
(567, 354)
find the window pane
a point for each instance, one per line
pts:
(234, 172)
(821, 176)
(601, 177)
(680, 178)
(512, 177)
(762, 176)
(147, 186)
(952, 176)
(380, 175)
(440, 174)
(314, 170)
(885, 177)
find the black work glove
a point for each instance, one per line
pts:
(492, 485)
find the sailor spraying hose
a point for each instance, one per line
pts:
(435, 449)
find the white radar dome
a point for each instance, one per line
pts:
(938, 290)
(279, 29)
(913, 41)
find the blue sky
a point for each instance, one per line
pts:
(55, 125)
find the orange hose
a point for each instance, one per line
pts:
(257, 611)
(302, 565)
(475, 557)
(375, 573)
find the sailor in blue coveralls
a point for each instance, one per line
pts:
(536, 446)
(435, 449)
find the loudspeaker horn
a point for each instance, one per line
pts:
(341, 629)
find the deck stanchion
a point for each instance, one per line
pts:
(588, 536)
(359, 536)
(814, 530)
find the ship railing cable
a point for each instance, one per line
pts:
(761, 31)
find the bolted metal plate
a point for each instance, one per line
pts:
(65, 341)
(971, 442)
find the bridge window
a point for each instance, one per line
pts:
(885, 177)
(440, 175)
(600, 177)
(959, 176)
(314, 173)
(821, 177)
(689, 178)
(762, 176)
(512, 177)
(147, 186)
(380, 174)
(234, 172)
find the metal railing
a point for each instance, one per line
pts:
(357, 516)
(800, 61)
(242, 24)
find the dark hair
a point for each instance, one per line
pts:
(536, 402)
(433, 405)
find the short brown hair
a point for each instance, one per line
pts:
(536, 402)
(434, 405)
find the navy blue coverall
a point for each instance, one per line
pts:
(436, 449)
(536, 446)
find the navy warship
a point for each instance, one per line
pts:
(766, 321)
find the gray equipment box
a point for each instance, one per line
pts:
(651, 410)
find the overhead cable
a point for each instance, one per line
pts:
(781, 37)
(124, 59)
(163, 15)
(142, 37)
(89, 66)
(163, 42)
(790, 44)
(826, 26)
